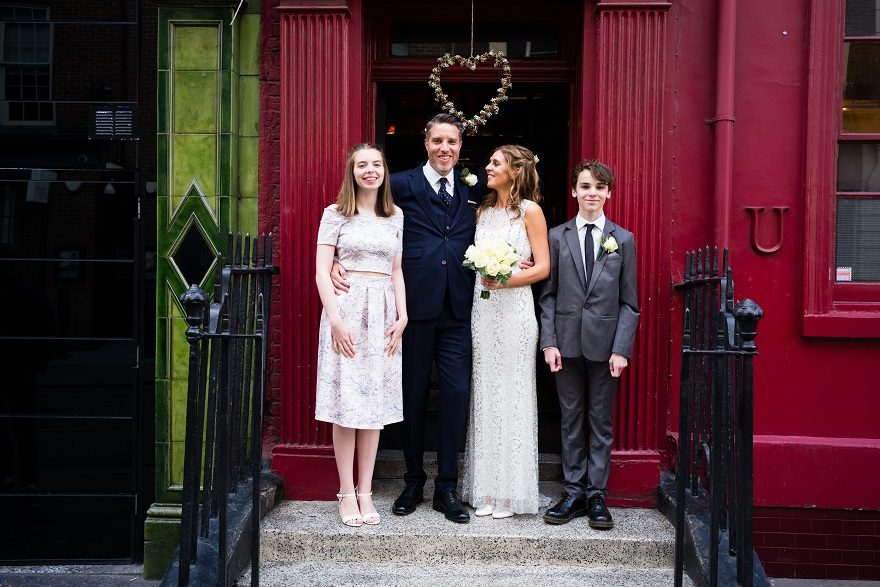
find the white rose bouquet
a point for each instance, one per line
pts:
(493, 259)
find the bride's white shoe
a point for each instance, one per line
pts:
(486, 510)
(502, 514)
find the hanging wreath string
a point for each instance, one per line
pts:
(447, 60)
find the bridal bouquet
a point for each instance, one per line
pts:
(493, 259)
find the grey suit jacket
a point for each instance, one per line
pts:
(591, 320)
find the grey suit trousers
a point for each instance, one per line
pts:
(586, 471)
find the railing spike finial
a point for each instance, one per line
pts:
(246, 252)
(194, 301)
(237, 258)
(269, 252)
(748, 313)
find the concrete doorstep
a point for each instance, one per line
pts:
(303, 543)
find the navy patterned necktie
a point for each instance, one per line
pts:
(444, 195)
(589, 254)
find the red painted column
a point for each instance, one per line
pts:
(631, 48)
(321, 111)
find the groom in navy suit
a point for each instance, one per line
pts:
(439, 218)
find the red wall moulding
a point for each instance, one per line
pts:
(309, 473)
(842, 325)
(814, 472)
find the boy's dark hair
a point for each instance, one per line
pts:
(598, 170)
(444, 118)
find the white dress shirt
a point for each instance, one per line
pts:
(598, 228)
(434, 179)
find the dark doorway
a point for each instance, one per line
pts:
(77, 407)
(536, 115)
(71, 350)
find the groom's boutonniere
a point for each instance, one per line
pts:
(608, 246)
(469, 178)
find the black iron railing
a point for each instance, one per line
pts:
(715, 413)
(227, 363)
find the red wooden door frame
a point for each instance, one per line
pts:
(329, 97)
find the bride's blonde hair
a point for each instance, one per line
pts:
(526, 183)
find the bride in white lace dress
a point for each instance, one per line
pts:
(501, 458)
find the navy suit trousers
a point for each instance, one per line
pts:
(446, 342)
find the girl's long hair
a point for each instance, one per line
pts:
(526, 183)
(346, 201)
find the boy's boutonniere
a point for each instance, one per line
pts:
(608, 246)
(469, 178)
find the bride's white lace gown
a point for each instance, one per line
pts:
(501, 458)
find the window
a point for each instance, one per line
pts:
(7, 216)
(25, 66)
(842, 236)
(525, 40)
(857, 250)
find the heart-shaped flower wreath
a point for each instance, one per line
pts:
(471, 124)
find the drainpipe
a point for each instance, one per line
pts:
(724, 120)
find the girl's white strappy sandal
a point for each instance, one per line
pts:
(354, 520)
(370, 518)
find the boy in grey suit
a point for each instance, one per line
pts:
(589, 316)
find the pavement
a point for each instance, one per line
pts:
(131, 576)
(75, 576)
(821, 583)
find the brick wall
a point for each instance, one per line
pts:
(818, 544)
(270, 204)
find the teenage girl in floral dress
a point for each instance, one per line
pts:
(359, 359)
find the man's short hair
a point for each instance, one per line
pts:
(444, 118)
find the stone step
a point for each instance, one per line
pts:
(390, 465)
(310, 532)
(454, 575)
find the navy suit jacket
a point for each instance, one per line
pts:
(433, 251)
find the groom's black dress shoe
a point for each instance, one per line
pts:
(568, 508)
(450, 506)
(410, 497)
(599, 515)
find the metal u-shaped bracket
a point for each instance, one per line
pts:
(754, 212)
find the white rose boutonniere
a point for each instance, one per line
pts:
(608, 246)
(469, 178)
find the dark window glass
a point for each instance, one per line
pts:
(858, 167)
(862, 18)
(528, 40)
(858, 239)
(861, 87)
(25, 59)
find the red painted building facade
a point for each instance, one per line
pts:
(744, 124)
